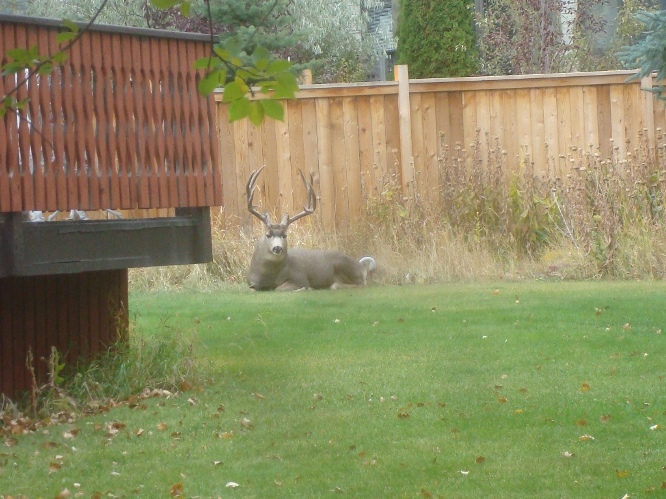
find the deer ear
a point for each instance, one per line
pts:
(285, 219)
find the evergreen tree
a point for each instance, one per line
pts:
(649, 53)
(436, 38)
(266, 23)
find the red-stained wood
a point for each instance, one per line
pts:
(119, 125)
(80, 315)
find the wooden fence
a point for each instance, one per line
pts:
(120, 125)
(354, 137)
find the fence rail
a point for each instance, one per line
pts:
(120, 125)
(354, 137)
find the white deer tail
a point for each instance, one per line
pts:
(369, 263)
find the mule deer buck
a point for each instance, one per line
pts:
(275, 267)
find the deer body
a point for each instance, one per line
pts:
(276, 267)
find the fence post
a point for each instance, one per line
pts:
(405, 118)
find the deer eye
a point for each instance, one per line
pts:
(284, 236)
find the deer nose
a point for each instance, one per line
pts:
(277, 249)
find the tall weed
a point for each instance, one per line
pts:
(492, 219)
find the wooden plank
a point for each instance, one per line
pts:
(469, 128)
(107, 109)
(380, 155)
(197, 135)
(38, 145)
(285, 202)
(171, 115)
(18, 341)
(524, 129)
(151, 132)
(295, 136)
(590, 119)
(141, 168)
(617, 115)
(365, 148)
(392, 126)
(240, 173)
(577, 118)
(551, 135)
(417, 160)
(7, 294)
(326, 183)
(429, 181)
(26, 197)
(6, 170)
(352, 158)
(310, 139)
(232, 206)
(271, 179)
(537, 139)
(98, 146)
(605, 131)
(89, 122)
(123, 104)
(186, 128)
(339, 164)
(564, 126)
(483, 125)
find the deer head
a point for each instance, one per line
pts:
(275, 238)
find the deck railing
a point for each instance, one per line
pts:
(120, 125)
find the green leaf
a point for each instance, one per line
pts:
(273, 109)
(256, 112)
(234, 46)
(19, 54)
(45, 69)
(70, 25)
(239, 109)
(185, 9)
(204, 63)
(260, 58)
(209, 83)
(278, 66)
(65, 36)
(232, 92)
(12, 68)
(59, 57)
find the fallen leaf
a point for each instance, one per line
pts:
(502, 400)
(258, 396)
(217, 463)
(176, 490)
(191, 401)
(53, 467)
(162, 426)
(480, 460)
(232, 485)
(622, 473)
(582, 422)
(464, 472)
(585, 437)
(656, 427)
(584, 387)
(568, 454)
(403, 415)
(63, 494)
(11, 442)
(48, 445)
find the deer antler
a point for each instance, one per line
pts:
(310, 204)
(249, 190)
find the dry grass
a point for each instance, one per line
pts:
(605, 218)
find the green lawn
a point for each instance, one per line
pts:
(460, 391)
